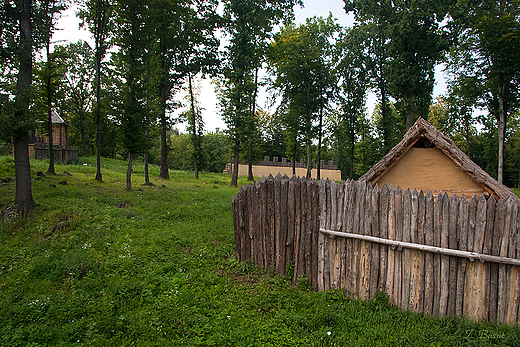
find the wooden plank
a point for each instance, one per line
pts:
(503, 286)
(390, 276)
(489, 296)
(463, 226)
(336, 263)
(254, 227)
(321, 237)
(366, 246)
(420, 264)
(297, 230)
(398, 284)
(305, 245)
(445, 260)
(291, 209)
(438, 250)
(514, 276)
(270, 232)
(326, 273)
(477, 311)
(437, 228)
(356, 245)
(470, 268)
(405, 258)
(496, 238)
(374, 262)
(383, 232)
(343, 249)
(428, 240)
(453, 261)
(413, 302)
(278, 263)
(284, 222)
(349, 219)
(314, 231)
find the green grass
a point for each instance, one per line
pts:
(96, 265)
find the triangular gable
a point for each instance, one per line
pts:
(430, 136)
(56, 118)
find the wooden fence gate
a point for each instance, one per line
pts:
(437, 255)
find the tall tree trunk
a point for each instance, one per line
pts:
(51, 141)
(308, 126)
(502, 121)
(295, 148)
(164, 174)
(250, 160)
(99, 177)
(309, 166)
(129, 171)
(253, 110)
(467, 130)
(49, 110)
(147, 123)
(234, 176)
(318, 167)
(23, 195)
(194, 130)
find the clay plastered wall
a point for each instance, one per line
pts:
(429, 168)
(259, 171)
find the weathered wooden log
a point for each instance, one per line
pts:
(503, 285)
(291, 211)
(321, 237)
(498, 230)
(366, 249)
(445, 260)
(374, 263)
(463, 225)
(399, 220)
(297, 230)
(420, 265)
(270, 224)
(283, 231)
(407, 237)
(390, 274)
(488, 246)
(437, 226)
(514, 275)
(482, 258)
(428, 240)
(453, 261)
(383, 232)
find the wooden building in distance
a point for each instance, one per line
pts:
(426, 160)
(39, 143)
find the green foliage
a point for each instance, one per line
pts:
(214, 152)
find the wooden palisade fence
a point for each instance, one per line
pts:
(438, 255)
(276, 223)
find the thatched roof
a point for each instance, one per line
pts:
(424, 131)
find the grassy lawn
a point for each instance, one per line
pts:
(96, 265)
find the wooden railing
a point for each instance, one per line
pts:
(438, 255)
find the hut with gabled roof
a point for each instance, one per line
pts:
(426, 160)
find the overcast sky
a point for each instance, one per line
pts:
(69, 26)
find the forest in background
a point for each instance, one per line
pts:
(119, 94)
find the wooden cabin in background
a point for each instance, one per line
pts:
(39, 143)
(426, 160)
